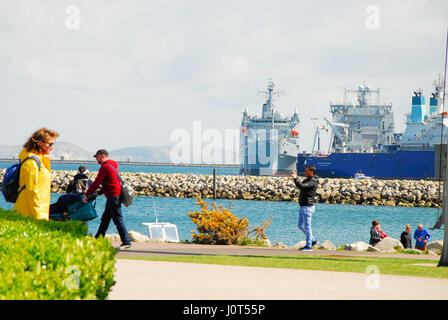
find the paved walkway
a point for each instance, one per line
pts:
(147, 280)
(174, 280)
(170, 249)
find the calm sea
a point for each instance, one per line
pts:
(133, 168)
(338, 223)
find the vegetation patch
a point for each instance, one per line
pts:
(52, 260)
(218, 225)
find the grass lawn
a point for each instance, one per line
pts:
(396, 266)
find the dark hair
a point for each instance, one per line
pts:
(43, 134)
(82, 169)
(311, 168)
(375, 223)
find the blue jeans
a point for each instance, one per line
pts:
(113, 212)
(304, 224)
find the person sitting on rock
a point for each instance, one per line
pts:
(406, 238)
(422, 236)
(375, 235)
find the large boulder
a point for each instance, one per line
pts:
(280, 245)
(299, 244)
(389, 244)
(266, 242)
(356, 246)
(113, 237)
(138, 237)
(435, 246)
(327, 245)
(373, 249)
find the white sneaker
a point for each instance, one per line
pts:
(124, 246)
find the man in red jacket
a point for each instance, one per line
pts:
(108, 178)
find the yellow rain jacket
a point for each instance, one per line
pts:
(34, 200)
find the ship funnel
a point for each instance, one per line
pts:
(418, 112)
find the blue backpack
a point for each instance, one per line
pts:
(10, 184)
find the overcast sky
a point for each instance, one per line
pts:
(135, 71)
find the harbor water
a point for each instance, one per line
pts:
(141, 168)
(338, 223)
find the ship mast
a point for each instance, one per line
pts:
(270, 94)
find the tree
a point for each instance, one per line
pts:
(443, 262)
(444, 258)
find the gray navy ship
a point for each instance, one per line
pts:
(269, 143)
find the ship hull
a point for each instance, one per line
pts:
(271, 164)
(267, 172)
(394, 165)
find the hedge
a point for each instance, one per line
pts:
(52, 260)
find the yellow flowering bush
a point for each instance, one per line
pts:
(218, 225)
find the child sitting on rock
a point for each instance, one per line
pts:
(382, 234)
(375, 235)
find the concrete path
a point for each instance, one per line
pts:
(170, 249)
(177, 281)
(159, 280)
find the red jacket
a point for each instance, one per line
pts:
(108, 179)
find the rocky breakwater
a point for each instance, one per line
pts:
(411, 193)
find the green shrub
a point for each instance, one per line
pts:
(52, 260)
(245, 241)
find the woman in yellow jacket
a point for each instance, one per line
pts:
(35, 184)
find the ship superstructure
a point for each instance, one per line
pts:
(269, 142)
(426, 125)
(362, 126)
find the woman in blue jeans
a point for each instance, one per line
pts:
(307, 189)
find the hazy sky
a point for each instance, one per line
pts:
(134, 71)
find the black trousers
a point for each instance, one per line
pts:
(113, 212)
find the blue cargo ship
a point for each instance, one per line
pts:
(363, 140)
(418, 164)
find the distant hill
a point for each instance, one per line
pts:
(70, 151)
(67, 150)
(9, 152)
(162, 154)
(142, 154)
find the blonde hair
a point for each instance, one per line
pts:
(408, 226)
(43, 134)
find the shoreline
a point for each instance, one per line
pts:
(406, 193)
